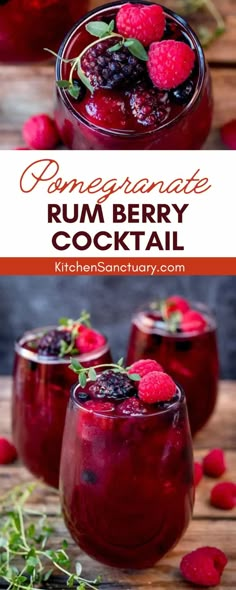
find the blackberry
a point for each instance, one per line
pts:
(113, 386)
(106, 69)
(183, 93)
(149, 106)
(50, 343)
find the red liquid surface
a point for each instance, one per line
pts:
(191, 360)
(40, 397)
(126, 483)
(27, 26)
(184, 127)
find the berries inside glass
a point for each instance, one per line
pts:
(27, 26)
(126, 478)
(139, 115)
(190, 357)
(41, 386)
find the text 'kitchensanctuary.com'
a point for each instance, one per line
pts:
(126, 268)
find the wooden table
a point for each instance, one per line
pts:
(26, 90)
(209, 526)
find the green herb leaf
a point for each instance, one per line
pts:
(82, 379)
(111, 26)
(98, 28)
(134, 376)
(74, 91)
(92, 374)
(63, 83)
(75, 366)
(115, 47)
(136, 48)
(84, 79)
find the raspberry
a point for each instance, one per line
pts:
(50, 343)
(131, 407)
(106, 109)
(8, 452)
(197, 473)
(214, 463)
(193, 321)
(145, 23)
(177, 303)
(89, 340)
(156, 387)
(170, 63)
(111, 69)
(145, 366)
(112, 385)
(149, 106)
(99, 407)
(40, 133)
(228, 134)
(204, 566)
(223, 495)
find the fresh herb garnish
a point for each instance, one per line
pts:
(73, 326)
(85, 373)
(26, 560)
(171, 319)
(104, 31)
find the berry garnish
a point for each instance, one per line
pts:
(197, 473)
(8, 453)
(40, 133)
(170, 63)
(228, 134)
(204, 566)
(106, 108)
(111, 69)
(183, 93)
(145, 23)
(131, 407)
(114, 386)
(99, 407)
(88, 339)
(149, 107)
(193, 321)
(214, 463)
(176, 303)
(144, 366)
(156, 387)
(223, 495)
(90, 373)
(51, 342)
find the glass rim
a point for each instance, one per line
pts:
(53, 360)
(148, 327)
(172, 407)
(129, 134)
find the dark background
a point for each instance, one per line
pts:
(27, 302)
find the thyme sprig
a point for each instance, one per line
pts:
(73, 326)
(26, 560)
(85, 373)
(171, 319)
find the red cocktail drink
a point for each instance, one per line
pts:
(126, 477)
(41, 389)
(188, 354)
(27, 26)
(138, 116)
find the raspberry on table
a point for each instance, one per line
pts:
(156, 387)
(8, 453)
(198, 473)
(193, 321)
(144, 23)
(50, 343)
(89, 340)
(40, 132)
(111, 69)
(149, 107)
(107, 109)
(144, 366)
(176, 303)
(214, 464)
(204, 566)
(223, 495)
(170, 63)
(114, 386)
(228, 134)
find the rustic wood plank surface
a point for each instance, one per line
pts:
(17, 103)
(209, 526)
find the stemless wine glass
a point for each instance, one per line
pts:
(41, 386)
(186, 128)
(191, 358)
(27, 26)
(126, 482)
